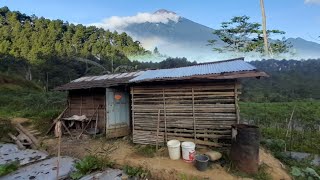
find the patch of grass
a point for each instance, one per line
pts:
(183, 176)
(262, 173)
(32, 103)
(146, 150)
(5, 128)
(8, 168)
(138, 172)
(89, 164)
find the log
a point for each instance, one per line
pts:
(17, 141)
(33, 146)
(27, 133)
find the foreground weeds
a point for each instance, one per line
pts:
(89, 164)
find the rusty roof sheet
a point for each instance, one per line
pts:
(106, 80)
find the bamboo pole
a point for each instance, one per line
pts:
(96, 126)
(165, 116)
(158, 124)
(264, 27)
(194, 118)
(133, 108)
(236, 102)
(59, 149)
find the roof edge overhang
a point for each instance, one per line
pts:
(219, 76)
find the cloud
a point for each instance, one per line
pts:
(118, 23)
(312, 1)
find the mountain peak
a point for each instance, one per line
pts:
(164, 11)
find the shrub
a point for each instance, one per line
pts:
(89, 164)
(136, 172)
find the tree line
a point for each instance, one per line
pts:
(41, 49)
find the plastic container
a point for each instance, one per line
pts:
(188, 151)
(174, 149)
(201, 162)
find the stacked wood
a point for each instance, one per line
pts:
(202, 113)
(25, 138)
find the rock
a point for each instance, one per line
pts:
(214, 155)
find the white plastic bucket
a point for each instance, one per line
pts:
(188, 151)
(174, 149)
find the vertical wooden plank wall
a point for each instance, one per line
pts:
(203, 112)
(85, 103)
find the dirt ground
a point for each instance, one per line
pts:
(160, 167)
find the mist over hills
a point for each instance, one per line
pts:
(181, 37)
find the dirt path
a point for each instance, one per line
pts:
(275, 167)
(161, 167)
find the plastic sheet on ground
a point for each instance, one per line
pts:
(10, 153)
(46, 169)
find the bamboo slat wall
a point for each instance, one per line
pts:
(85, 103)
(199, 112)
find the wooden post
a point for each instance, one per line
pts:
(96, 127)
(59, 150)
(236, 101)
(165, 116)
(81, 106)
(194, 118)
(132, 106)
(158, 126)
(17, 141)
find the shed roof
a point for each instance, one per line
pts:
(106, 80)
(228, 69)
(232, 68)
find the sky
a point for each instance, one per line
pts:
(298, 18)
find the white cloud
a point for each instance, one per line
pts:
(312, 1)
(118, 23)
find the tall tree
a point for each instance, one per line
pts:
(241, 36)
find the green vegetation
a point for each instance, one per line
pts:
(89, 164)
(307, 173)
(146, 150)
(5, 128)
(290, 80)
(8, 168)
(138, 172)
(273, 119)
(183, 176)
(21, 98)
(44, 50)
(241, 36)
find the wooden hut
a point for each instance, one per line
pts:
(104, 100)
(196, 103)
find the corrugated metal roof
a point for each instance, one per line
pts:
(106, 80)
(108, 76)
(239, 66)
(235, 65)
